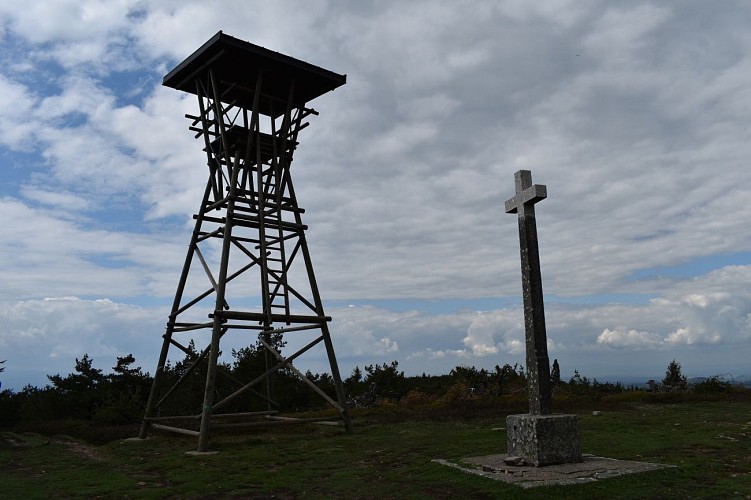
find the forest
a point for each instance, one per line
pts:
(119, 398)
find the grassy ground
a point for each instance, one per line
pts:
(388, 457)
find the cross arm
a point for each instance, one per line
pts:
(531, 195)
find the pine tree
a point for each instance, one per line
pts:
(674, 378)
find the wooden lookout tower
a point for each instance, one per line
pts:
(248, 249)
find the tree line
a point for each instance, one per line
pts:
(120, 397)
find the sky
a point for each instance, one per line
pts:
(636, 116)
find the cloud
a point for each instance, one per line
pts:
(67, 20)
(634, 116)
(621, 33)
(64, 201)
(689, 336)
(695, 312)
(480, 339)
(16, 102)
(44, 336)
(74, 34)
(53, 255)
(628, 339)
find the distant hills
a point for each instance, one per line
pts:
(637, 381)
(745, 380)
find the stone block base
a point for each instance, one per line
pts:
(544, 439)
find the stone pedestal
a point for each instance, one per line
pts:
(544, 439)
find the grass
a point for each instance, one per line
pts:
(389, 456)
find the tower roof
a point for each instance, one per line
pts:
(237, 61)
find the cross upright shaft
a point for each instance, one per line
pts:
(538, 363)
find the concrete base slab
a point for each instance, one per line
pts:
(200, 453)
(592, 468)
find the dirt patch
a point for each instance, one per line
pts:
(77, 448)
(15, 464)
(11, 442)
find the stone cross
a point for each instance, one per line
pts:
(538, 363)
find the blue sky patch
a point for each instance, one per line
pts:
(694, 267)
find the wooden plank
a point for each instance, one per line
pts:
(174, 417)
(177, 430)
(280, 318)
(273, 422)
(267, 413)
(294, 420)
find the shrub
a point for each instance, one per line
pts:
(459, 392)
(416, 398)
(712, 385)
